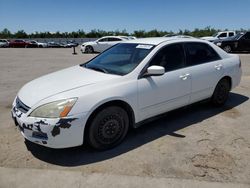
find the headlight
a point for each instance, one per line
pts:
(55, 109)
(218, 44)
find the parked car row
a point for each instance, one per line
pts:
(19, 43)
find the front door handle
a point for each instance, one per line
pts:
(184, 76)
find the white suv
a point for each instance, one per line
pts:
(220, 35)
(102, 44)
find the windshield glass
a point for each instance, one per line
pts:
(238, 36)
(120, 59)
(214, 35)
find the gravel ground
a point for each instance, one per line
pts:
(197, 142)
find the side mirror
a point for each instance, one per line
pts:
(155, 70)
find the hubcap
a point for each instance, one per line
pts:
(88, 49)
(227, 48)
(110, 129)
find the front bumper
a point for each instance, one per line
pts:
(51, 132)
(83, 49)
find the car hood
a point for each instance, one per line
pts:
(208, 38)
(60, 81)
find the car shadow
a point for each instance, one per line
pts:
(167, 124)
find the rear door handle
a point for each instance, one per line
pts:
(184, 77)
(218, 67)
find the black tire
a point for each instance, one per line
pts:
(221, 93)
(227, 48)
(108, 128)
(89, 49)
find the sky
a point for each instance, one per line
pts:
(110, 15)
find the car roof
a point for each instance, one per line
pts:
(158, 40)
(112, 37)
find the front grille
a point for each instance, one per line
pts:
(21, 106)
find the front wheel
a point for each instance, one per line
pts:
(89, 49)
(108, 128)
(221, 93)
(227, 48)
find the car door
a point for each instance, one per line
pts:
(205, 67)
(159, 94)
(101, 45)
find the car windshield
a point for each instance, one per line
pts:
(214, 35)
(238, 36)
(121, 59)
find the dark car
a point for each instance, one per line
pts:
(21, 44)
(238, 43)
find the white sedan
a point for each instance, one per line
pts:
(133, 81)
(102, 44)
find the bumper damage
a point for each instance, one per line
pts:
(50, 132)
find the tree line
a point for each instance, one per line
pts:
(207, 31)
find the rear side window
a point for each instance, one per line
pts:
(198, 53)
(114, 39)
(231, 34)
(171, 57)
(103, 40)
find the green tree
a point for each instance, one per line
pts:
(5, 33)
(21, 34)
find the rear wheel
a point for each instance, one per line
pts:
(89, 49)
(108, 128)
(221, 92)
(227, 48)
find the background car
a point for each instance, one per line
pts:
(69, 44)
(38, 44)
(4, 43)
(18, 43)
(219, 35)
(102, 44)
(54, 45)
(240, 42)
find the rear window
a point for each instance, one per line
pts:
(198, 53)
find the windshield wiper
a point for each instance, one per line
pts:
(98, 69)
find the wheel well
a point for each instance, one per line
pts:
(119, 103)
(229, 80)
(90, 46)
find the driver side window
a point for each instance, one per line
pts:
(222, 35)
(171, 57)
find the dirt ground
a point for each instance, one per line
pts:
(198, 142)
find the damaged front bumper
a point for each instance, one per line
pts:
(51, 132)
